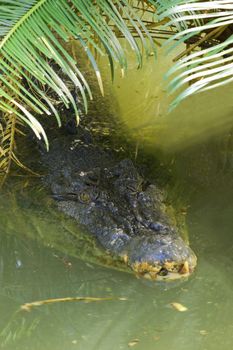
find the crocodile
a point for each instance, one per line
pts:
(126, 213)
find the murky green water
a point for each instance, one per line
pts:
(30, 271)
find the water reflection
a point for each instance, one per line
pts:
(143, 101)
(29, 271)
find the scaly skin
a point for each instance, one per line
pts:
(122, 210)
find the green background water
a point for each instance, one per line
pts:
(30, 272)
(201, 177)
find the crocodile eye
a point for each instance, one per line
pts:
(84, 197)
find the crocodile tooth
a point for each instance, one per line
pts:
(184, 268)
(153, 275)
(169, 265)
(147, 276)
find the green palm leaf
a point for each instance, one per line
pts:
(209, 61)
(34, 60)
(32, 35)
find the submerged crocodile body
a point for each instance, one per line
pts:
(125, 213)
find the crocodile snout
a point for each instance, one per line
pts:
(161, 257)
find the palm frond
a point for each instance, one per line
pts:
(206, 27)
(34, 60)
(8, 129)
(32, 35)
(10, 126)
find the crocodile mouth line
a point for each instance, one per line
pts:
(168, 271)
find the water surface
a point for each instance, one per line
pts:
(29, 271)
(34, 269)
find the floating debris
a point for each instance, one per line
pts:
(179, 307)
(156, 337)
(133, 343)
(203, 332)
(29, 306)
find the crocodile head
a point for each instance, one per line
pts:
(125, 213)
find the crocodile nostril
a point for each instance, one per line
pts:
(163, 272)
(156, 226)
